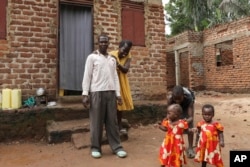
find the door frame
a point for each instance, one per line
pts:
(85, 3)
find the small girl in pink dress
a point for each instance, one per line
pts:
(209, 138)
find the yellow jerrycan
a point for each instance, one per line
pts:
(6, 98)
(16, 96)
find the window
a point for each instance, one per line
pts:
(133, 22)
(3, 6)
(224, 53)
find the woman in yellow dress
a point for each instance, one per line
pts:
(123, 58)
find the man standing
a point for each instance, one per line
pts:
(101, 89)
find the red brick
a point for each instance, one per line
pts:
(32, 43)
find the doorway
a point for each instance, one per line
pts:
(75, 43)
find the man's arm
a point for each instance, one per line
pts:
(169, 98)
(87, 76)
(85, 100)
(190, 112)
(117, 83)
(117, 86)
(86, 81)
(221, 138)
(197, 135)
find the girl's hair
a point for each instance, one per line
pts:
(177, 108)
(123, 42)
(208, 106)
(178, 91)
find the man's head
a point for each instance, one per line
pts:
(178, 94)
(103, 41)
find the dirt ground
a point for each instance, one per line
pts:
(232, 110)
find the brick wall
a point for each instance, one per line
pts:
(148, 73)
(188, 45)
(106, 19)
(29, 58)
(203, 71)
(230, 78)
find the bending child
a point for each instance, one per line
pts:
(209, 138)
(172, 150)
(185, 98)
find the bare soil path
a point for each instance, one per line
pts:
(232, 110)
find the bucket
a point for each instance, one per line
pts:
(16, 101)
(6, 98)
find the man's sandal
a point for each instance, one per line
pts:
(121, 154)
(96, 154)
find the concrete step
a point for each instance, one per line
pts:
(81, 140)
(76, 131)
(70, 99)
(30, 123)
(61, 131)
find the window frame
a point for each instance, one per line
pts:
(220, 54)
(133, 22)
(3, 19)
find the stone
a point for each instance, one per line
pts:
(61, 131)
(81, 140)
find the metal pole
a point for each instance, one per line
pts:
(177, 67)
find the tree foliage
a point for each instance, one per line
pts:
(197, 15)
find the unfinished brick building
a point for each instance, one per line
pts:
(216, 59)
(44, 43)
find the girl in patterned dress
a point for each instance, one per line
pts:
(172, 150)
(209, 138)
